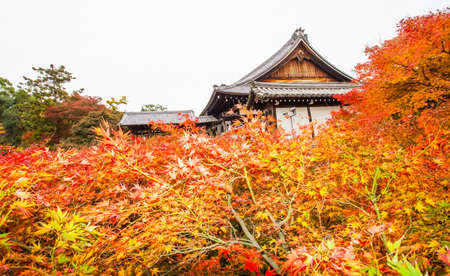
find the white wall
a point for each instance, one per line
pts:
(319, 115)
(300, 119)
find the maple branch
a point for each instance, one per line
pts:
(252, 239)
(423, 73)
(290, 210)
(404, 66)
(277, 225)
(182, 263)
(214, 239)
(233, 230)
(348, 202)
(443, 47)
(206, 248)
(249, 185)
(199, 251)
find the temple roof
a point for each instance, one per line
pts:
(298, 43)
(167, 117)
(298, 39)
(206, 119)
(267, 90)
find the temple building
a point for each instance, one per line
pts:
(295, 85)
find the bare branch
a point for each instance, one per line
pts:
(252, 239)
(281, 234)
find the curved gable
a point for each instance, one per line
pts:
(295, 62)
(297, 70)
(296, 58)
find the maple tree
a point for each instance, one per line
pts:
(367, 195)
(65, 114)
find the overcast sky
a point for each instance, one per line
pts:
(172, 52)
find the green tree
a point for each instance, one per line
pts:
(153, 107)
(46, 90)
(113, 104)
(10, 101)
(49, 83)
(83, 131)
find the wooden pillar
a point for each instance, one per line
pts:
(310, 118)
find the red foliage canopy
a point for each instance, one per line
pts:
(74, 108)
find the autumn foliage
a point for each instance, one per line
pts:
(368, 195)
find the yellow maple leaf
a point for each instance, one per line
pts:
(154, 271)
(434, 244)
(261, 215)
(22, 182)
(419, 207)
(430, 201)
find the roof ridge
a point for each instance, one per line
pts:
(284, 51)
(299, 33)
(160, 112)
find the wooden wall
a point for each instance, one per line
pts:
(299, 71)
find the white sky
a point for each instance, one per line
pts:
(172, 52)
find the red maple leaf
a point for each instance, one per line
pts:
(270, 272)
(251, 267)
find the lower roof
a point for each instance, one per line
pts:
(206, 119)
(167, 117)
(266, 90)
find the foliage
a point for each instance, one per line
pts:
(10, 100)
(153, 107)
(41, 110)
(49, 83)
(368, 195)
(410, 72)
(44, 91)
(113, 104)
(69, 112)
(82, 132)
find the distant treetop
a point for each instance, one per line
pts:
(153, 107)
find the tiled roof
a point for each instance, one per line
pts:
(300, 90)
(243, 89)
(206, 119)
(167, 117)
(298, 40)
(273, 61)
